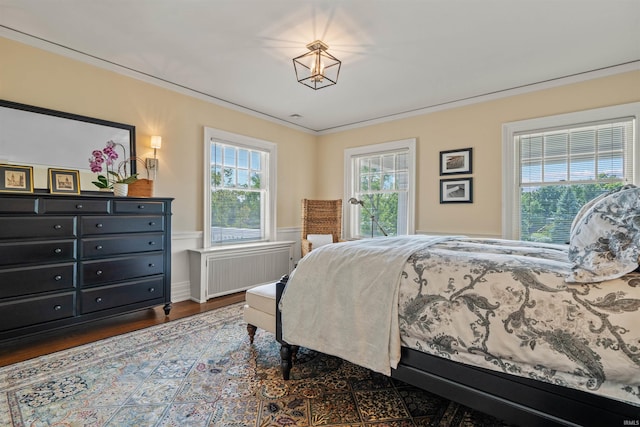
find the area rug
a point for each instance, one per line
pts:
(202, 371)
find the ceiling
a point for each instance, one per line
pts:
(399, 57)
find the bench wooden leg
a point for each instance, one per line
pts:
(252, 332)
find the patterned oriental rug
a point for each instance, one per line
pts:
(202, 371)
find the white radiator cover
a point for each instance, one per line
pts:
(228, 269)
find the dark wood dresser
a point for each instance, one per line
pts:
(71, 259)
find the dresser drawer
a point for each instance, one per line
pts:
(64, 205)
(18, 205)
(105, 297)
(32, 311)
(31, 280)
(138, 207)
(25, 228)
(115, 269)
(35, 252)
(103, 246)
(121, 224)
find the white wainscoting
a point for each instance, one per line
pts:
(181, 243)
(292, 234)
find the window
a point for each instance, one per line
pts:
(555, 165)
(382, 176)
(239, 188)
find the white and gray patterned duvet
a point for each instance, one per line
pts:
(505, 306)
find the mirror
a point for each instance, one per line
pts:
(44, 138)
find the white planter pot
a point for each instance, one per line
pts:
(120, 190)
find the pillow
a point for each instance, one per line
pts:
(605, 242)
(585, 208)
(318, 240)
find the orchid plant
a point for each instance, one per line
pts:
(115, 172)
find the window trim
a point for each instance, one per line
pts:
(510, 185)
(271, 190)
(350, 176)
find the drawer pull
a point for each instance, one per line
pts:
(152, 223)
(99, 225)
(152, 243)
(151, 264)
(57, 307)
(152, 289)
(140, 206)
(79, 206)
(99, 273)
(99, 247)
(98, 300)
(57, 250)
(57, 277)
(57, 226)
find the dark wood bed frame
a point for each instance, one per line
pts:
(516, 400)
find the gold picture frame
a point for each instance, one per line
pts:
(16, 179)
(63, 181)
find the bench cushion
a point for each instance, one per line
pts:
(262, 298)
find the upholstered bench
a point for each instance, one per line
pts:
(260, 309)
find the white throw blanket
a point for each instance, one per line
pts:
(342, 299)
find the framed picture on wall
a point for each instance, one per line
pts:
(16, 179)
(456, 190)
(456, 161)
(64, 181)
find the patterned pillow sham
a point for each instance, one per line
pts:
(605, 243)
(585, 208)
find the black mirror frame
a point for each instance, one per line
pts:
(40, 110)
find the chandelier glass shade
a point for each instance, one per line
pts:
(317, 68)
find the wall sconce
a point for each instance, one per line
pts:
(152, 163)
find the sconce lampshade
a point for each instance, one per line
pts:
(156, 142)
(317, 68)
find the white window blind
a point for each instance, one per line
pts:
(560, 169)
(593, 153)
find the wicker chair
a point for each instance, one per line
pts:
(320, 217)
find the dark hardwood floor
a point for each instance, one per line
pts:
(18, 350)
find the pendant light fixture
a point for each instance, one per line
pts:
(317, 68)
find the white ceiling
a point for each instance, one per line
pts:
(399, 57)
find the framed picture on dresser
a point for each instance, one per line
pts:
(16, 179)
(64, 181)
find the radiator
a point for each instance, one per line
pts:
(228, 269)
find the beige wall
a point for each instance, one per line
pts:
(33, 76)
(309, 166)
(478, 126)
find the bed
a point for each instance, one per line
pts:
(532, 333)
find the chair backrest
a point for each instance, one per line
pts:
(322, 217)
